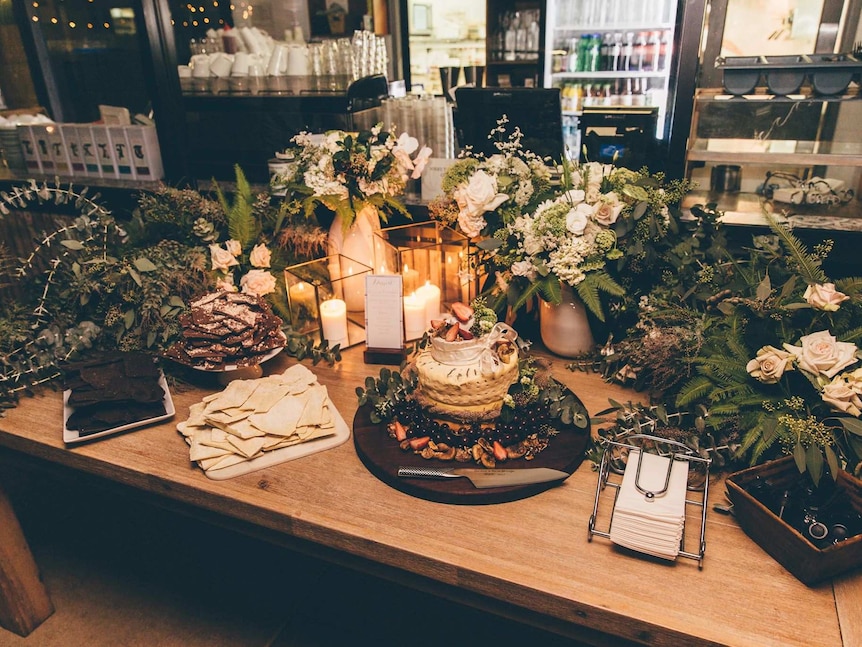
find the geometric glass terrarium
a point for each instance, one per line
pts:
(428, 254)
(327, 296)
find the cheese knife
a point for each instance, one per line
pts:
(486, 478)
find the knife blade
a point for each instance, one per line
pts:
(486, 478)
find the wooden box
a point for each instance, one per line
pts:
(785, 544)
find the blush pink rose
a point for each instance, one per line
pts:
(233, 247)
(221, 258)
(770, 364)
(258, 283)
(260, 256)
(821, 353)
(842, 396)
(824, 296)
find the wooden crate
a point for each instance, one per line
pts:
(785, 544)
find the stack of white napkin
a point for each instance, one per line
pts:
(652, 526)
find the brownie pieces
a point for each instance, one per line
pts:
(225, 330)
(112, 390)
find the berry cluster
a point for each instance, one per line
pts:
(526, 421)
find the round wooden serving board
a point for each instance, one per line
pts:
(382, 456)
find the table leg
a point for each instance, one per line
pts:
(24, 602)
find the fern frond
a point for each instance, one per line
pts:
(853, 335)
(551, 290)
(589, 293)
(695, 389)
(539, 287)
(809, 266)
(851, 285)
(241, 222)
(593, 283)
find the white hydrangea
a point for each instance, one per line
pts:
(523, 193)
(565, 261)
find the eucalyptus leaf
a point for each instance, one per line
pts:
(489, 244)
(814, 461)
(852, 425)
(135, 277)
(75, 245)
(764, 289)
(832, 461)
(144, 265)
(799, 457)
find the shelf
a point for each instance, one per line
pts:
(798, 153)
(623, 26)
(610, 74)
(530, 62)
(746, 209)
(762, 95)
(9, 176)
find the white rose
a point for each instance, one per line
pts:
(258, 283)
(824, 296)
(479, 194)
(407, 143)
(260, 256)
(608, 209)
(839, 394)
(770, 364)
(821, 354)
(233, 247)
(575, 196)
(854, 380)
(472, 226)
(221, 258)
(578, 218)
(524, 268)
(225, 283)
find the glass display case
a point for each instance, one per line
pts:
(800, 153)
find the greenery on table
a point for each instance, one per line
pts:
(95, 282)
(725, 341)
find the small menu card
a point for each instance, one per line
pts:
(384, 319)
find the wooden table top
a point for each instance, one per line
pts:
(529, 556)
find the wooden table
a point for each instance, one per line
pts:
(528, 559)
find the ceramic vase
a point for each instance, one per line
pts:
(565, 327)
(358, 243)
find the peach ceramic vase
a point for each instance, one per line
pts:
(565, 327)
(360, 243)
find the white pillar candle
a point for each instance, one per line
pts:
(411, 280)
(430, 293)
(354, 287)
(301, 295)
(333, 319)
(414, 317)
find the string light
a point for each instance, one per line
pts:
(54, 21)
(72, 24)
(35, 18)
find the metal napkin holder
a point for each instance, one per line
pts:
(611, 476)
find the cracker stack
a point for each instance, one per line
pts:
(252, 417)
(227, 329)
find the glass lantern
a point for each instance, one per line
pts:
(429, 255)
(326, 296)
